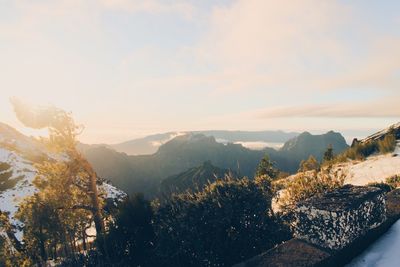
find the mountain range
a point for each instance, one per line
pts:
(194, 179)
(150, 144)
(145, 173)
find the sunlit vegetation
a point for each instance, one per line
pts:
(393, 181)
(225, 222)
(389, 184)
(311, 183)
(311, 164)
(360, 151)
(67, 203)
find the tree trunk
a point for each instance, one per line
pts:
(84, 240)
(97, 217)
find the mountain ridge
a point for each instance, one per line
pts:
(149, 144)
(144, 173)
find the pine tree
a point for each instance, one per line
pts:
(266, 167)
(328, 155)
(73, 178)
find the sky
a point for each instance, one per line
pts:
(129, 68)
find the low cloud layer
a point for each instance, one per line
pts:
(388, 108)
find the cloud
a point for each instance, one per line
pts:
(183, 8)
(384, 108)
(303, 45)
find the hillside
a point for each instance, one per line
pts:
(150, 144)
(376, 167)
(144, 173)
(18, 154)
(194, 179)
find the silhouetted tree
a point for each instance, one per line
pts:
(328, 155)
(78, 175)
(266, 167)
(130, 240)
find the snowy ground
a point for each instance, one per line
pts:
(374, 169)
(383, 253)
(9, 199)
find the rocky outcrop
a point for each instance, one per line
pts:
(337, 218)
(393, 129)
(299, 253)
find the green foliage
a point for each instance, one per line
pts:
(229, 221)
(130, 239)
(56, 215)
(328, 154)
(266, 167)
(67, 202)
(311, 164)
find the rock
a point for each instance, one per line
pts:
(338, 217)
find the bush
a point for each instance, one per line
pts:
(387, 145)
(359, 151)
(228, 222)
(310, 183)
(393, 181)
(130, 239)
(311, 164)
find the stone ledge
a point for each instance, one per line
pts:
(296, 252)
(338, 217)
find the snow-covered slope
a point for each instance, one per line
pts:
(17, 171)
(373, 169)
(376, 168)
(22, 172)
(382, 253)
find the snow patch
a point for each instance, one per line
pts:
(383, 253)
(373, 169)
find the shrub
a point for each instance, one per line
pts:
(229, 221)
(393, 181)
(130, 238)
(310, 183)
(388, 144)
(311, 164)
(359, 151)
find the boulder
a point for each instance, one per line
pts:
(336, 218)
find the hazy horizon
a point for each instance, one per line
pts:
(130, 68)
